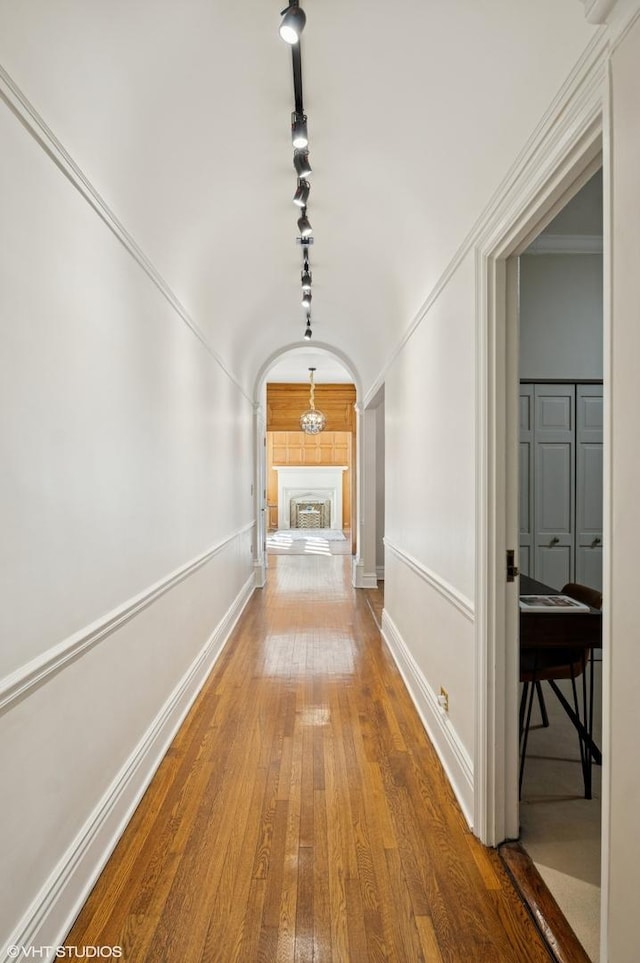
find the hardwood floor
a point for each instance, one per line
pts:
(301, 813)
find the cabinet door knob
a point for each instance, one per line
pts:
(554, 540)
(595, 542)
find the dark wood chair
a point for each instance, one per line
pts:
(552, 665)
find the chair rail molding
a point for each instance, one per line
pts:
(444, 588)
(19, 683)
(56, 905)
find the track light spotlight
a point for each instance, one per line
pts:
(306, 279)
(299, 135)
(306, 299)
(301, 163)
(307, 332)
(303, 225)
(301, 195)
(292, 24)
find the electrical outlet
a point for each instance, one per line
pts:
(443, 699)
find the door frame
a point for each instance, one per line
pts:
(555, 176)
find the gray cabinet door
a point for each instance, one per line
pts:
(554, 483)
(525, 485)
(589, 485)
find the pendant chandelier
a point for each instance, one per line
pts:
(312, 421)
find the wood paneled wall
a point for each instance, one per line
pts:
(296, 448)
(287, 445)
(286, 402)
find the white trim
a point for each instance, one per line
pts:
(563, 115)
(444, 588)
(607, 519)
(380, 573)
(34, 673)
(566, 244)
(564, 153)
(452, 753)
(362, 579)
(49, 918)
(45, 137)
(597, 11)
(260, 573)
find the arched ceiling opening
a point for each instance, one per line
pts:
(291, 366)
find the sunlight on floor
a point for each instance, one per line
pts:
(313, 545)
(317, 546)
(279, 540)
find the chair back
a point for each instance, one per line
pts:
(582, 593)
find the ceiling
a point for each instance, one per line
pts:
(294, 366)
(178, 113)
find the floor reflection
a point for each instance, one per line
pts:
(313, 653)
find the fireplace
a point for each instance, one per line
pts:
(310, 511)
(310, 497)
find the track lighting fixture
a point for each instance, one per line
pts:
(301, 163)
(301, 195)
(293, 21)
(299, 135)
(303, 224)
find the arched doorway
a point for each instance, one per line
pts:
(282, 449)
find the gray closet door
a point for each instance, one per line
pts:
(554, 483)
(525, 484)
(589, 485)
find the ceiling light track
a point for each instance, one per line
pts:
(296, 64)
(291, 27)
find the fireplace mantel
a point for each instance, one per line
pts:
(309, 482)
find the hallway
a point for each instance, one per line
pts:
(301, 813)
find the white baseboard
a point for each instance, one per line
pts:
(260, 573)
(51, 915)
(362, 579)
(453, 755)
(380, 573)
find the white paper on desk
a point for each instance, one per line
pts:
(551, 603)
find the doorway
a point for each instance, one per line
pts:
(305, 482)
(550, 178)
(560, 507)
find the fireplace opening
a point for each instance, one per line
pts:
(309, 511)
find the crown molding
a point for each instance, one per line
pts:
(597, 11)
(35, 124)
(574, 112)
(618, 15)
(566, 244)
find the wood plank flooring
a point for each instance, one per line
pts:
(301, 813)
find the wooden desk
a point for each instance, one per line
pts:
(541, 631)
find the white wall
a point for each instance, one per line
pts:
(561, 316)
(127, 526)
(623, 828)
(430, 516)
